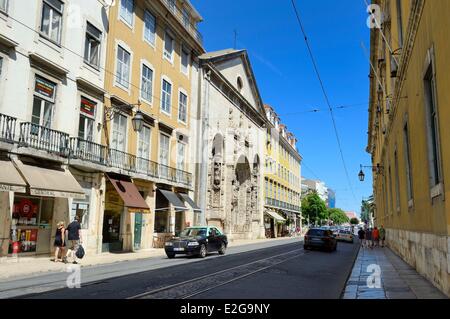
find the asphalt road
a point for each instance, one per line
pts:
(278, 270)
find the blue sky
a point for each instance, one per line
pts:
(268, 29)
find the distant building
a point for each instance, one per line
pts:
(351, 215)
(331, 203)
(315, 185)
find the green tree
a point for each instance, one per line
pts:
(338, 216)
(367, 209)
(354, 221)
(314, 208)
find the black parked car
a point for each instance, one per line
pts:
(198, 240)
(320, 238)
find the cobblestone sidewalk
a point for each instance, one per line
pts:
(396, 280)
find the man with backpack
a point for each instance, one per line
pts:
(362, 236)
(73, 239)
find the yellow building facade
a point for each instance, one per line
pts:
(282, 178)
(150, 51)
(408, 115)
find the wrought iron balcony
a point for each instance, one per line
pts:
(7, 128)
(122, 160)
(43, 138)
(280, 204)
(191, 28)
(88, 151)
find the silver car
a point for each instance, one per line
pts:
(345, 235)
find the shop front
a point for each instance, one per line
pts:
(273, 224)
(170, 216)
(122, 199)
(36, 212)
(11, 183)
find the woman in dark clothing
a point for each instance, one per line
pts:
(60, 242)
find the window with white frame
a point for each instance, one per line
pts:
(166, 96)
(164, 149)
(87, 119)
(92, 45)
(149, 28)
(432, 126)
(126, 11)
(185, 14)
(143, 153)
(184, 61)
(182, 107)
(409, 189)
(4, 6)
(43, 102)
(123, 67)
(146, 83)
(397, 181)
(51, 22)
(168, 47)
(181, 156)
(119, 132)
(171, 5)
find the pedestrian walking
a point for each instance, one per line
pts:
(362, 236)
(369, 238)
(382, 232)
(60, 242)
(375, 236)
(74, 239)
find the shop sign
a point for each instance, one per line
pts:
(44, 87)
(87, 106)
(11, 188)
(138, 210)
(49, 193)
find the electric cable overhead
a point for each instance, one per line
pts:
(316, 69)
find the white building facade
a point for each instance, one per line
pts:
(230, 145)
(52, 55)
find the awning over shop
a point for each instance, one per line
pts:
(173, 199)
(130, 196)
(10, 179)
(275, 215)
(50, 182)
(191, 203)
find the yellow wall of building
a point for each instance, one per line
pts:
(142, 50)
(425, 215)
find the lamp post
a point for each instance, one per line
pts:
(138, 119)
(378, 168)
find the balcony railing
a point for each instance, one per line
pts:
(122, 160)
(88, 151)
(192, 29)
(43, 138)
(7, 128)
(280, 204)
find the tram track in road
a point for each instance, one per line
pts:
(196, 286)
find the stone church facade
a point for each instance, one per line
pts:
(232, 145)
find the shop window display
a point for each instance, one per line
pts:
(29, 214)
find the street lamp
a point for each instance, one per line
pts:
(137, 120)
(377, 169)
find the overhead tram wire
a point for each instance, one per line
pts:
(325, 95)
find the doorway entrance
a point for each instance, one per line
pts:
(137, 230)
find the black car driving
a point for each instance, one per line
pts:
(198, 240)
(320, 238)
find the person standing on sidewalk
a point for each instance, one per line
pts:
(375, 236)
(369, 238)
(361, 236)
(60, 242)
(74, 239)
(382, 232)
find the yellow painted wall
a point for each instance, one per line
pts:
(141, 50)
(426, 215)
